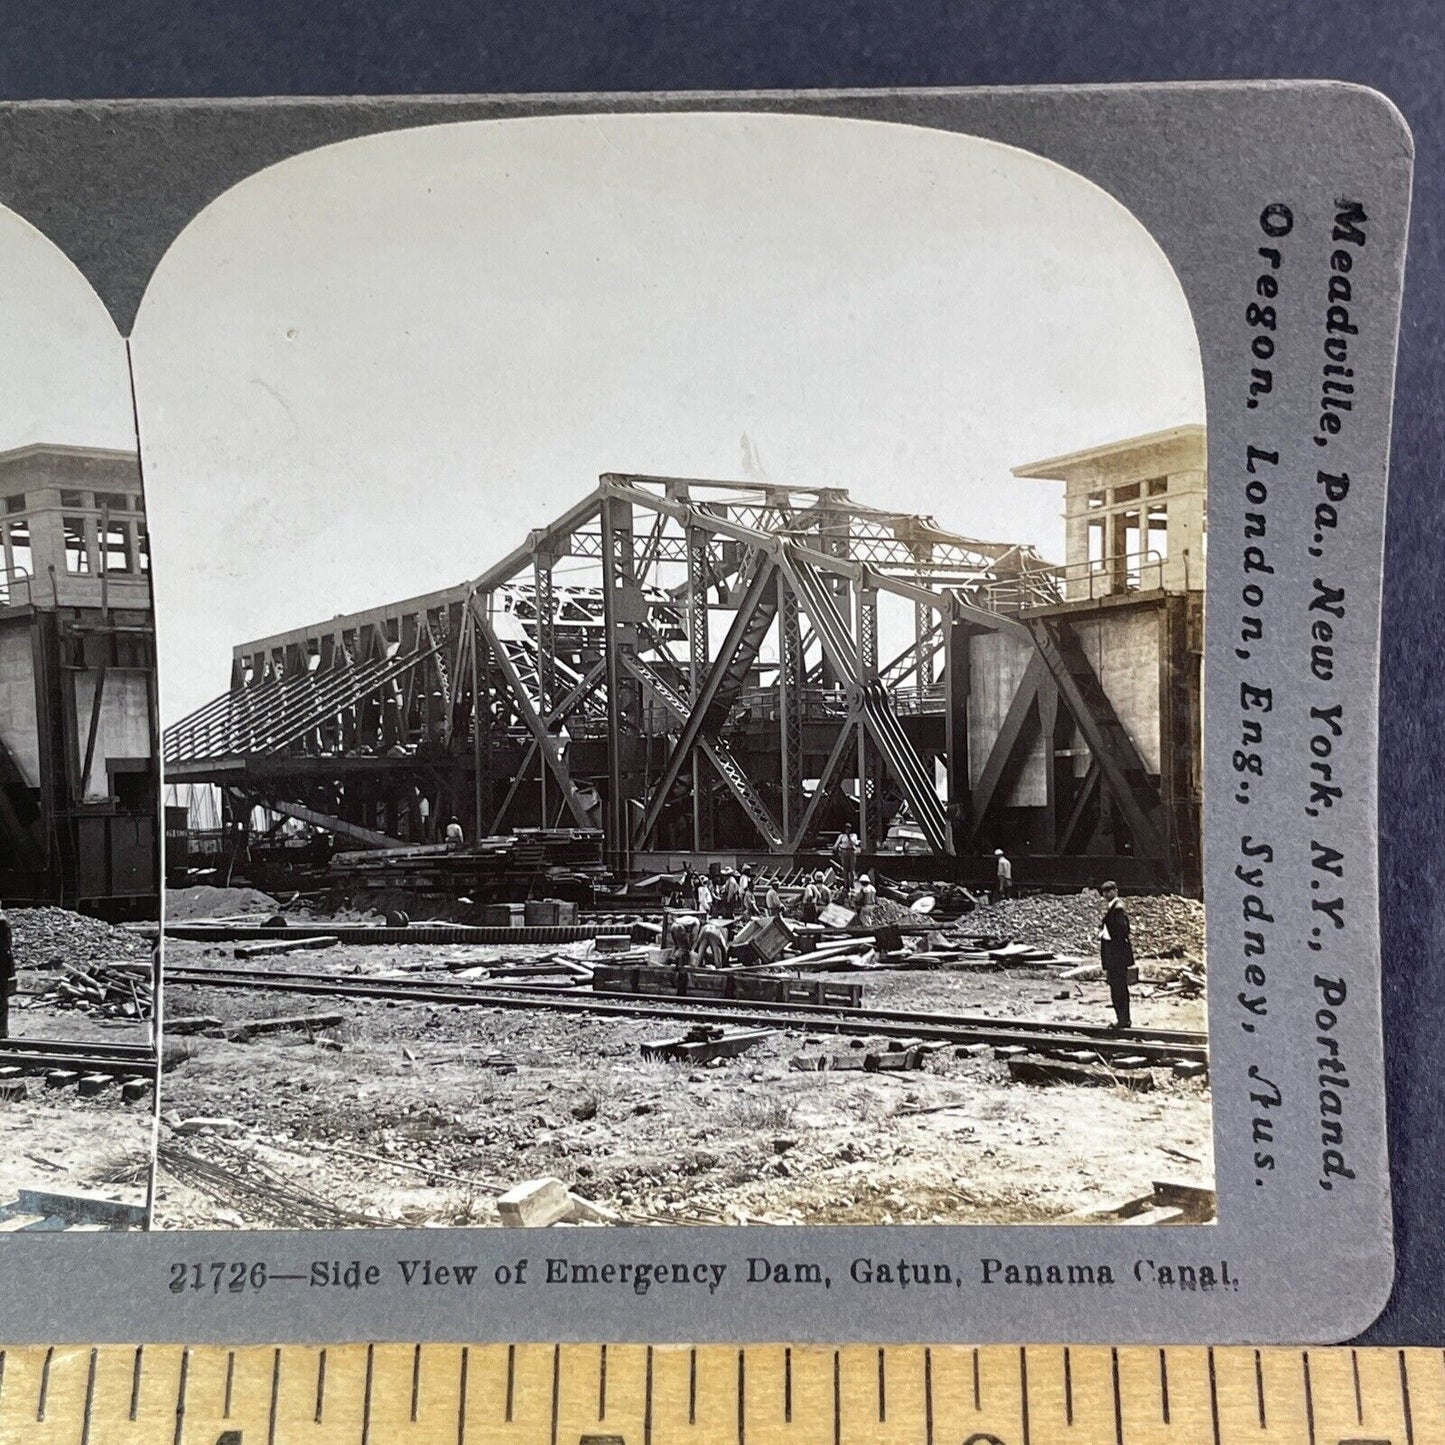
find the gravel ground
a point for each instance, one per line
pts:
(415, 1088)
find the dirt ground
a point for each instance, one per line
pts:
(405, 1113)
(54, 1140)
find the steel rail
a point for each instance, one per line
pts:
(77, 1057)
(812, 1018)
(98, 1048)
(446, 989)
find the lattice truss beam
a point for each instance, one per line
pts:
(686, 663)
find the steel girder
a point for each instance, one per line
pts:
(717, 690)
(800, 569)
(869, 704)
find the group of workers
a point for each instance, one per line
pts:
(700, 939)
(734, 893)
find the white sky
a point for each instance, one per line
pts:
(62, 363)
(366, 372)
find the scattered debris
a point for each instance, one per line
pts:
(306, 1023)
(114, 989)
(264, 950)
(540, 1202)
(703, 1043)
(1046, 1071)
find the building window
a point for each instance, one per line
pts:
(116, 501)
(15, 504)
(1158, 486)
(1127, 494)
(115, 546)
(19, 558)
(73, 499)
(142, 547)
(77, 555)
(1157, 517)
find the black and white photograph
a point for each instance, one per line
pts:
(79, 781)
(680, 645)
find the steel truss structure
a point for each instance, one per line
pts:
(716, 666)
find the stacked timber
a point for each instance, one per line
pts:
(117, 989)
(509, 865)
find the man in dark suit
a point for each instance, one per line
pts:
(1116, 951)
(7, 973)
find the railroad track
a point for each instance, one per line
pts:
(88, 1056)
(1161, 1045)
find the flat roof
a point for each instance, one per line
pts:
(66, 449)
(1068, 465)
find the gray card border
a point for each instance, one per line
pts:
(112, 183)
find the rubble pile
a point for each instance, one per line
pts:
(886, 911)
(44, 937)
(208, 902)
(1162, 925)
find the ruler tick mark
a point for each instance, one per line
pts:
(882, 1390)
(837, 1400)
(366, 1396)
(181, 1395)
(1213, 1395)
(415, 1381)
(788, 1386)
(1118, 1399)
(1309, 1399)
(1405, 1400)
(511, 1379)
(320, 1385)
(556, 1389)
(44, 1385)
(230, 1383)
(1259, 1384)
(89, 1401)
(742, 1396)
(1024, 1390)
(1068, 1388)
(1164, 1386)
(135, 1382)
(1359, 1398)
(602, 1383)
(462, 1395)
(977, 1386)
(275, 1396)
(647, 1400)
(692, 1387)
(928, 1397)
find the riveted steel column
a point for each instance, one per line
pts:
(698, 658)
(956, 684)
(545, 619)
(791, 673)
(618, 567)
(870, 773)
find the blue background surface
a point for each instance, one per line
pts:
(141, 48)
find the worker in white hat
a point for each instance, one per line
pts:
(1005, 874)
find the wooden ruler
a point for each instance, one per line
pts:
(719, 1395)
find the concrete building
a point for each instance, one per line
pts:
(1134, 513)
(1132, 608)
(79, 785)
